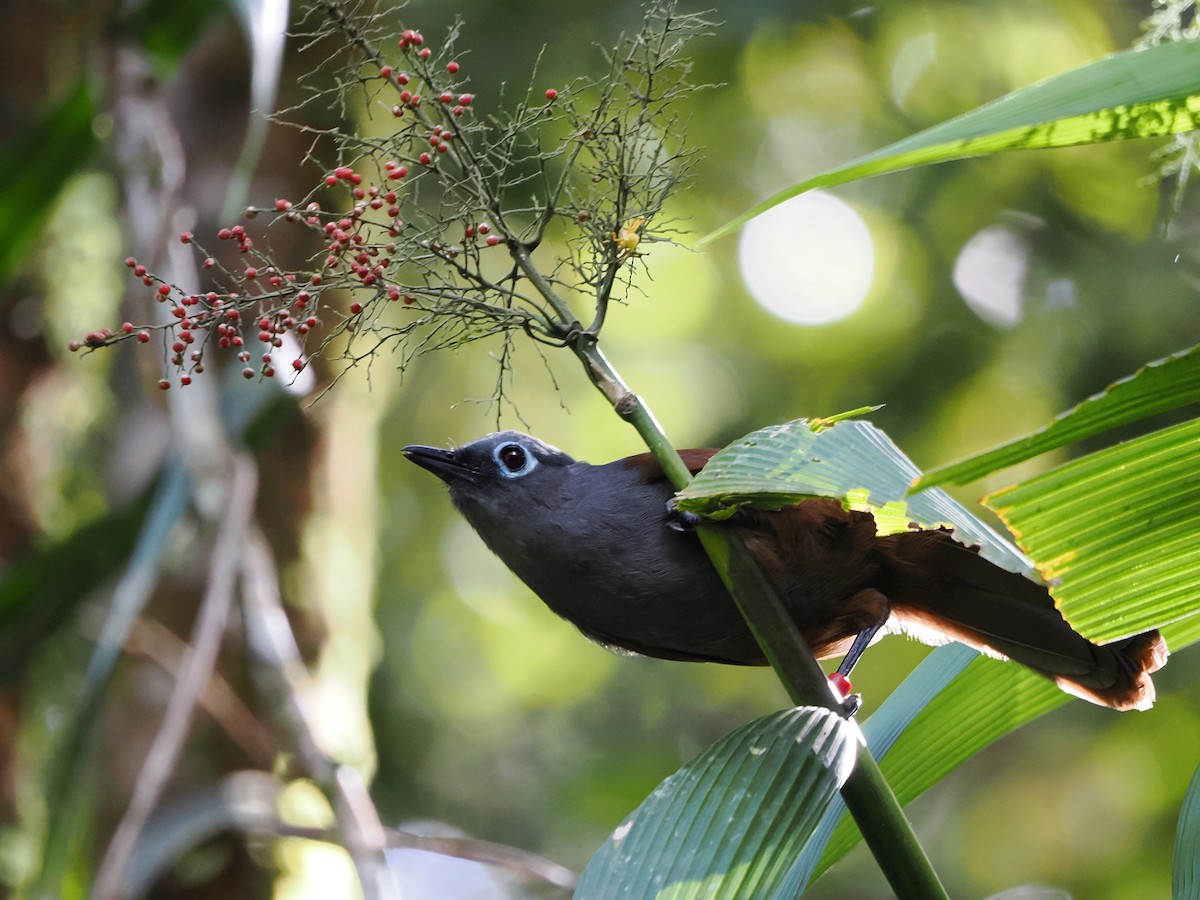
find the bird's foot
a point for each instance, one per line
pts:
(839, 684)
(679, 520)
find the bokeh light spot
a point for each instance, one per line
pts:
(809, 260)
(990, 275)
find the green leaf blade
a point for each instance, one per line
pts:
(782, 465)
(1150, 92)
(1185, 874)
(731, 822)
(1160, 386)
(1098, 527)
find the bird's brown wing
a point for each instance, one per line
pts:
(650, 469)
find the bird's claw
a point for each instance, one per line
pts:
(680, 520)
(839, 684)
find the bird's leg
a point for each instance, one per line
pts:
(840, 679)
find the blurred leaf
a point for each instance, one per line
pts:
(1185, 879)
(1119, 528)
(1134, 94)
(168, 29)
(33, 168)
(39, 594)
(1162, 385)
(783, 464)
(730, 822)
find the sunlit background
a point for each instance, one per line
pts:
(975, 299)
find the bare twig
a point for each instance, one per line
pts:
(160, 645)
(529, 866)
(195, 672)
(286, 680)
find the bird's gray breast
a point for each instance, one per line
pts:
(593, 542)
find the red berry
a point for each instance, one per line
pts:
(401, 79)
(164, 290)
(385, 71)
(186, 237)
(452, 67)
(282, 204)
(492, 240)
(297, 364)
(330, 180)
(356, 308)
(139, 271)
(426, 53)
(130, 261)
(551, 94)
(465, 99)
(446, 97)
(484, 228)
(247, 372)
(164, 385)
(425, 159)
(127, 327)
(185, 380)
(251, 272)
(343, 171)
(143, 337)
(224, 234)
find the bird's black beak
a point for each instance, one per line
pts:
(442, 463)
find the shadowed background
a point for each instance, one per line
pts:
(981, 298)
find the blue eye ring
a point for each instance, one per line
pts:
(513, 460)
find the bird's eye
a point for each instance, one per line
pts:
(514, 460)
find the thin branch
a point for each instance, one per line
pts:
(161, 646)
(195, 673)
(285, 679)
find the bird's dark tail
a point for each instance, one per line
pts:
(936, 584)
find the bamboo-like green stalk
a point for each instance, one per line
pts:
(867, 795)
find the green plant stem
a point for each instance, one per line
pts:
(868, 796)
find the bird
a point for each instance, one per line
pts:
(600, 546)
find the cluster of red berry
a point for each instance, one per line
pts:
(359, 248)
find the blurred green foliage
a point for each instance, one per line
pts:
(487, 712)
